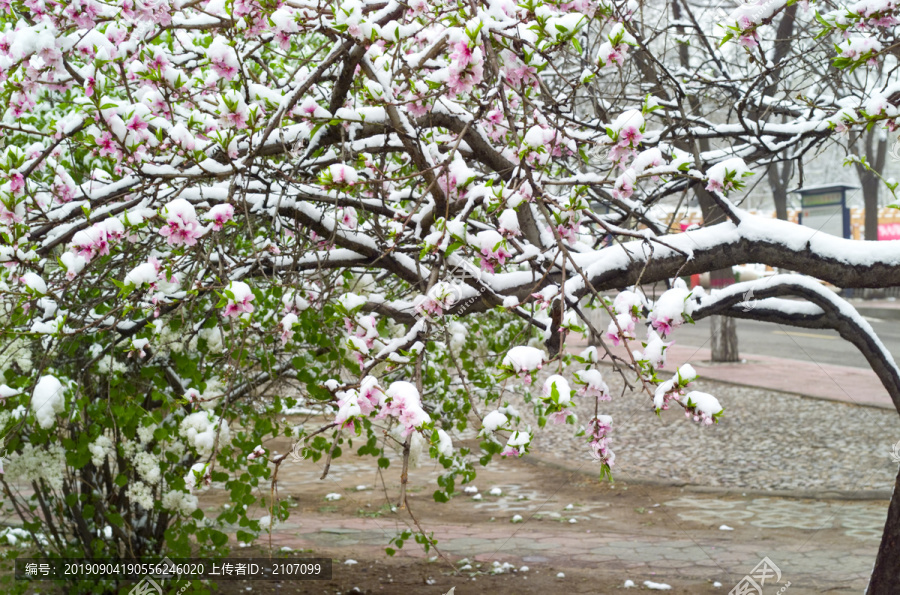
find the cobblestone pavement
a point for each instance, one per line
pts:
(764, 441)
(691, 505)
(554, 520)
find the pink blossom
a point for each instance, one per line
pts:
(240, 302)
(370, 395)
(91, 242)
(617, 54)
(83, 13)
(107, 146)
(466, 68)
(238, 119)
(10, 217)
(663, 324)
(715, 185)
(462, 55)
(219, 215)
(630, 136)
(624, 186)
(558, 418)
(568, 231)
(750, 41)
(287, 328)
(626, 323)
(182, 227)
(258, 452)
(16, 182)
(136, 124)
(416, 105)
(348, 217)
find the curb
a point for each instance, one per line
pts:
(881, 313)
(847, 495)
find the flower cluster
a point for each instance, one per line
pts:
(672, 309)
(523, 361)
(674, 388)
(592, 384)
(466, 68)
(182, 226)
(597, 430)
(627, 309)
(493, 250)
(727, 175)
(626, 132)
(441, 296)
(239, 297)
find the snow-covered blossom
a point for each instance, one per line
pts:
(860, 48)
(509, 223)
(671, 309)
(200, 430)
(239, 300)
(621, 328)
(402, 401)
(597, 429)
(440, 297)
(493, 249)
(91, 242)
(445, 444)
(702, 407)
(48, 400)
(219, 215)
(257, 452)
(287, 327)
(556, 388)
(592, 384)
(34, 282)
(223, 58)
(624, 187)
(348, 409)
(629, 302)
(726, 175)
(339, 174)
(182, 226)
(466, 68)
(654, 353)
(517, 444)
(674, 388)
(494, 420)
(524, 361)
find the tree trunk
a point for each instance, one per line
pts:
(779, 178)
(724, 333)
(886, 574)
(724, 339)
(874, 145)
(870, 200)
(723, 330)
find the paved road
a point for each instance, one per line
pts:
(824, 347)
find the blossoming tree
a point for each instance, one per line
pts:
(211, 211)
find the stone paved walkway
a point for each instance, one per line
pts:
(570, 521)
